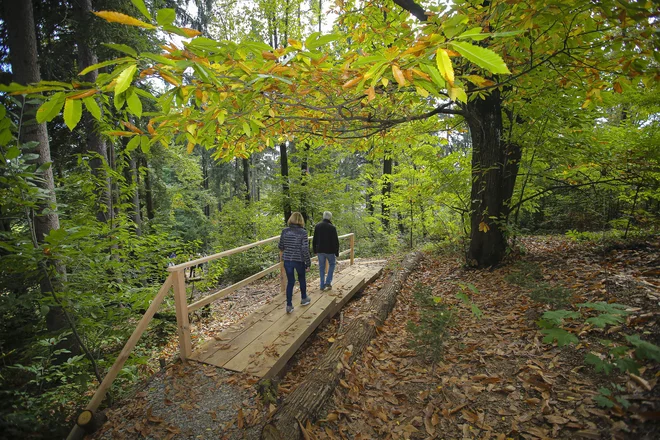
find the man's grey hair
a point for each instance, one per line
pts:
(327, 215)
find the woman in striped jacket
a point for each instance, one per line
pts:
(294, 245)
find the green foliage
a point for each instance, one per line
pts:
(463, 296)
(553, 295)
(607, 398)
(561, 336)
(644, 349)
(435, 318)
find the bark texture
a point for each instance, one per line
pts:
(494, 169)
(308, 399)
(284, 172)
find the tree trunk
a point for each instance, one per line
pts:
(246, 178)
(386, 190)
(303, 182)
(494, 169)
(307, 400)
(284, 172)
(206, 159)
(95, 142)
(130, 173)
(148, 192)
(22, 44)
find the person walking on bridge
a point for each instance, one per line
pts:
(294, 245)
(326, 245)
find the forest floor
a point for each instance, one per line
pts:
(496, 378)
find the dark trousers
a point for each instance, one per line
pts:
(290, 267)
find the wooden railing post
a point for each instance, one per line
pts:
(181, 304)
(282, 274)
(352, 248)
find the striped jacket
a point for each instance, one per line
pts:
(295, 244)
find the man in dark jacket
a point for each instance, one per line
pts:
(326, 245)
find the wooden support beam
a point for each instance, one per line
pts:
(183, 325)
(77, 432)
(352, 248)
(226, 291)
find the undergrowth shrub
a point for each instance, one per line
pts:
(435, 319)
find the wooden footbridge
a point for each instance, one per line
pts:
(264, 341)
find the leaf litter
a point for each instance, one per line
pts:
(496, 379)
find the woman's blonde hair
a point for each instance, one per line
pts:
(296, 219)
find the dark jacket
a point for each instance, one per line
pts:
(295, 245)
(325, 239)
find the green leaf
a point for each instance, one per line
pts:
(50, 108)
(142, 8)
(119, 101)
(557, 316)
(144, 144)
(613, 308)
(476, 311)
(643, 349)
(605, 319)
(367, 60)
(92, 107)
(158, 58)
(320, 41)
(434, 74)
(12, 153)
(133, 143)
(627, 365)
(560, 335)
(474, 34)
(482, 57)
(122, 48)
(603, 401)
(599, 365)
(72, 112)
(444, 65)
(134, 104)
(97, 66)
(165, 16)
(125, 78)
(246, 129)
(463, 297)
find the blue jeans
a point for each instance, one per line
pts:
(331, 269)
(290, 267)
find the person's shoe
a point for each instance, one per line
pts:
(322, 288)
(289, 309)
(305, 301)
(328, 286)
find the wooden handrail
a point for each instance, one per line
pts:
(176, 280)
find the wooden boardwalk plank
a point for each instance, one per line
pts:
(264, 342)
(232, 341)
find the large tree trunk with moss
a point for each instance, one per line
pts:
(494, 168)
(22, 43)
(308, 399)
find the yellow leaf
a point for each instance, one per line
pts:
(586, 103)
(398, 75)
(350, 83)
(422, 92)
(190, 147)
(331, 340)
(371, 93)
(384, 81)
(483, 227)
(191, 32)
(271, 112)
(457, 94)
(444, 65)
(118, 17)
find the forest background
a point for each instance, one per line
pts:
(190, 127)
